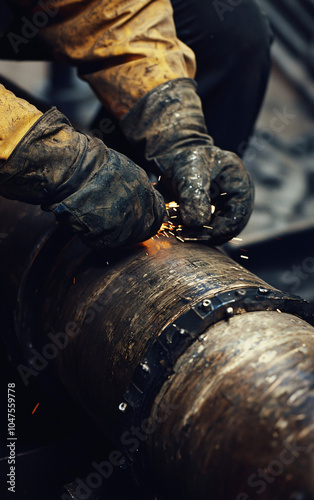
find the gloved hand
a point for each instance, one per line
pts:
(99, 193)
(168, 121)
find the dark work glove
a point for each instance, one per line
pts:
(101, 194)
(169, 123)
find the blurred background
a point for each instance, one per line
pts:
(57, 444)
(280, 157)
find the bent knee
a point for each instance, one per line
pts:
(241, 25)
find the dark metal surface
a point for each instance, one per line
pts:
(120, 303)
(158, 364)
(92, 316)
(23, 229)
(241, 425)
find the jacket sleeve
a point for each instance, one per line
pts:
(16, 118)
(122, 48)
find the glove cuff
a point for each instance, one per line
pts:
(97, 192)
(166, 120)
(43, 160)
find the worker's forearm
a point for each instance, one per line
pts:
(122, 48)
(16, 118)
(96, 192)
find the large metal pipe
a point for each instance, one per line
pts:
(200, 369)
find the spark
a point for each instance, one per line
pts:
(212, 209)
(181, 239)
(244, 256)
(165, 226)
(208, 227)
(223, 194)
(237, 239)
(159, 178)
(35, 409)
(172, 204)
(169, 226)
(74, 280)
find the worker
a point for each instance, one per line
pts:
(130, 54)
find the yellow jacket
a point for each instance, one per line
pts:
(122, 48)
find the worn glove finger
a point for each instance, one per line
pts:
(191, 182)
(232, 194)
(169, 123)
(210, 176)
(119, 207)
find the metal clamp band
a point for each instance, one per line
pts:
(175, 338)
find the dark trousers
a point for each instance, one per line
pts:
(231, 40)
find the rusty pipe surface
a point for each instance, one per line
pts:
(242, 419)
(176, 322)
